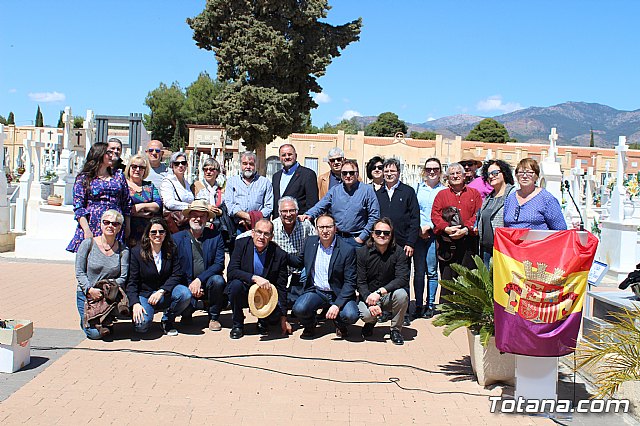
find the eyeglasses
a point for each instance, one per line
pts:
(210, 169)
(106, 222)
(517, 213)
(157, 232)
(292, 211)
(262, 233)
(333, 160)
(378, 167)
(494, 173)
(526, 173)
(156, 150)
(325, 227)
(138, 167)
(180, 163)
(348, 173)
(432, 169)
(379, 232)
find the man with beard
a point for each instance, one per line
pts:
(201, 256)
(115, 145)
(248, 197)
(294, 180)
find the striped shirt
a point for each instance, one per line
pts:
(294, 242)
(257, 195)
(321, 267)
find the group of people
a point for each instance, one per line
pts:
(329, 243)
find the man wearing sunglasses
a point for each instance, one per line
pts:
(353, 205)
(383, 274)
(328, 180)
(158, 170)
(201, 256)
(471, 179)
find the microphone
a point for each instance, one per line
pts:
(566, 186)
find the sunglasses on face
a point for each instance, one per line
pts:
(180, 163)
(526, 173)
(156, 150)
(379, 232)
(210, 169)
(333, 160)
(106, 222)
(138, 167)
(348, 173)
(157, 232)
(494, 173)
(466, 164)
(432, 169)
(378, 167)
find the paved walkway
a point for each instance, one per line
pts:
(200, 376)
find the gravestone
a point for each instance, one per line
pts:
(4, 201)
(65, 172)
(550, 173)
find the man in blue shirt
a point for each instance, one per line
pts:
(353, 204)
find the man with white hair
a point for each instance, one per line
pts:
(332, 178)
(158, 170)
(248, 196)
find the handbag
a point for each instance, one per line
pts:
(176, 221)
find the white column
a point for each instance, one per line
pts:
(4, 204)
(66, 177)
(25, 186)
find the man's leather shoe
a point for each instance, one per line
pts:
(428, 313)
(263, 328)
(215, 325)
(308, 332)
(396, 337)
(168, 328)
(236, 333)
(342, 331)
(406, 322)
(419, 312)
(386, 316)
(367, 329)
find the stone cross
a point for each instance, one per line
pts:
(553, 150)
(621, 150)
(311, 146)
(593, 159)
(618, 192)
(350, 139)
(67, 118)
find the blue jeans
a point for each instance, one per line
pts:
(91, 332)
(352, 242)
(172, 306)
(426, 262)
(486, 256)
(308, 304)
(214, 292)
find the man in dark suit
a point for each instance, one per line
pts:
(399, 203)
(295, 181)
(257, 260)
(201, 256)
(330, 263)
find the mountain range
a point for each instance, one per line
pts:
(572, 120)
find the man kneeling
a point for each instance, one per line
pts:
(382, 273)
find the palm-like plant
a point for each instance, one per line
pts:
(471, 304)
(614, 352)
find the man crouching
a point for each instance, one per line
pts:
(382, 273)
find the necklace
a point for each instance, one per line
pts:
(106, 246)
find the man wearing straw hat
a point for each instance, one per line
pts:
(201, 256)
(471, 165)
(258, 261)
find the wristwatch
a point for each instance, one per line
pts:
(379, 292)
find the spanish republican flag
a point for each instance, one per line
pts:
(538, 290)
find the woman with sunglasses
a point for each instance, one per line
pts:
(98, 258)
(498, 174)
(97, 189)
(375, 173)
(208, 189)
(176, 192)
(145, 198)
(155, 279)
(424, 254)
(531, 206)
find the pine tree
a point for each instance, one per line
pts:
(39, 118)
(11, 119)
(60, 122)
(591, 141)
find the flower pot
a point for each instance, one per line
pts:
(488, 364)
(628, 209)
(54, 200)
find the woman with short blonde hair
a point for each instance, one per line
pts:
(145, 197)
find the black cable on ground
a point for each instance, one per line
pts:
(223, 360)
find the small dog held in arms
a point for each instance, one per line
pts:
(446, 247)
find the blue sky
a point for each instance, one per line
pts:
(420, 59)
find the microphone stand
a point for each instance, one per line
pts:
(566, 186)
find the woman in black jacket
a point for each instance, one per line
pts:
(155, 279)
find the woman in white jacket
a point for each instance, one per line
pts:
(176, 192)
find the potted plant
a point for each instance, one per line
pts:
(612, 356)
(471, 306)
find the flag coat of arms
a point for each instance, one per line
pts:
(539, 288)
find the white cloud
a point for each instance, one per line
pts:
(495, 103)
(13, 90)
(349, 114)
(322, 98)
(47, 97)
(430, 119)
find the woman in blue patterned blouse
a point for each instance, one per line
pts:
(97, 189)
(145, 197)
(531, 206)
